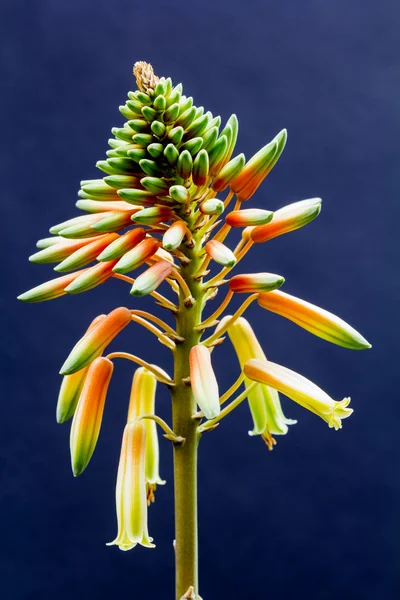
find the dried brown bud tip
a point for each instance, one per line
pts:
(146, 80)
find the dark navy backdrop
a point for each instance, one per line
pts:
(318, 516)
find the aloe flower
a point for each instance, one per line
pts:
(299, 389)
(158, 219)
(131, 496)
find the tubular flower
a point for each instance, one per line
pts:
(316, 320)
(94, 341)
(131, 497)
(299, 389)
(255, 282)
(264, 403)
(87, 419)
(286, 219)
(174, 235)
(71, 387)
(203, 381)
(142, 401)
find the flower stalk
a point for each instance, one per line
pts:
(156, 210)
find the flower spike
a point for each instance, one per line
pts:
(316, 320)
(299, 389)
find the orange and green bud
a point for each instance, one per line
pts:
(200, 168)
(220, 253)
(316, 320)
(115, 221)
(122, 244)
(212, 206)
(131, 494)
(155, 185)
(92, 344)
(184, 164)
(86, 254)
(264, 404)
(174, 235)
(50, 289)
(258, 167)
(286, 219)
(91, 278)
(137, 255)
(217, 153)
(301, 390)
(249, 217)
(87, 419)
(138, 197)
(149, 281)
(71, 387)
(100, 189)
(83, 226)
(249, 283)
(152, 215)
(179, 193)
(228, 172)
(97, 206)
(203, 381)
(60, 250)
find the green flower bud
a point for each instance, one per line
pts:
(158, 128)
(200, 168)
(171, 154)
(171, 114)
(185, 164)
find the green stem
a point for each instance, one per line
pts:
(185, 455)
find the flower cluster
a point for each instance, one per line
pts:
(156, 209)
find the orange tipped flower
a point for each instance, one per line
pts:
(122, 244)
(87, 254)
(137, 256)
(152, 215)
(228, 172)
(86, 424)
(174, 235)
(258, 167)
(286, 219)
(248, 216)
(131, 495)
(255, 282)
(71, 387)
(299, 389)
(316, 320)
(212, 206)
(264, 403)
(203, 381)
(60, 250)
(91, 278)
(220, 253)
(149, 281)
(51, 289)
(94, 342)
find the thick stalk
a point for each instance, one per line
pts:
(185, 455)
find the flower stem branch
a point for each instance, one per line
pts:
(219, 332)
(163, 338)
(169, 433)
(228, 409)
(158, 373)
(210, 321)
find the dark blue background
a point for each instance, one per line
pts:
(317, 518)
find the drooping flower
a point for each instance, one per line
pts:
(264, 403)
(318, 321)
(142, 402)
(203, 381)
(87, 419)
(94, 341)
(130, 495)
(71, 387)
(299, 389)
